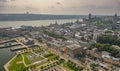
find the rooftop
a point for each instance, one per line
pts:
(74, 46)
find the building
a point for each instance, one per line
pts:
(90, 19)
(109, 59)
(116, 47)
(10, 32)
(115, 18)
(74, 49)
(29, 41)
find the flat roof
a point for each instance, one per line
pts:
(73, 46)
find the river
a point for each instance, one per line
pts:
(17, 24)
(5, 56)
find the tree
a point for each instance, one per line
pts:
(92, 65)
(108, 39)
(106, 47)
(83, 39)
(41, 67)
(40, 39)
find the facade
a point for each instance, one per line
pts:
(74, 49)
(114, 21)
(90, 20)
(109, 59)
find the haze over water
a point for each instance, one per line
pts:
(38, 23)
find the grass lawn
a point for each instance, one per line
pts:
(27, 60)
(38, 50)
(37, 59)
(50, 56)
(16, 64)
(31, 60)
(66, 65)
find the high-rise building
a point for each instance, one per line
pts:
(89, 19)
(115, 17)
(90, 16)
(56, 22)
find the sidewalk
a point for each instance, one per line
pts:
(8, 63)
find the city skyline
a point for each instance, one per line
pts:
(81, 7)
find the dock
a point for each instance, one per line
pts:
(6, 41)
(17, 48)
(2, 46)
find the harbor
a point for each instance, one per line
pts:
(6, 54)
(14, 45)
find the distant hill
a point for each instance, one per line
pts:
(27, 17)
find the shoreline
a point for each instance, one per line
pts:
(37, 20)
(8, 63)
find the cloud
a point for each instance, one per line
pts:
(6, 0)
(58, 3)
(61, 6)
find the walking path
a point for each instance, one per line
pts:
(23, 59)
(8, 63)
(21, 43)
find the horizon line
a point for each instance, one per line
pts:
(63, 14)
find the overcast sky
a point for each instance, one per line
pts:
(105, 7)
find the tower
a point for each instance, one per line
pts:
(90, 16)
(114, 21)
(56, 22)
(115, 18)
(89, 19)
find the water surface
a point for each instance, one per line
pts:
(17, 24)
(5, 56)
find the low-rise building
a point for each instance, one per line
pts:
(116, 47)
(29, 41)
(74, 49)
(109, 59)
